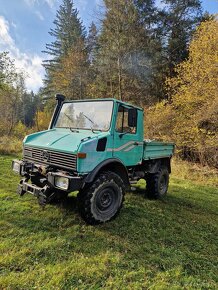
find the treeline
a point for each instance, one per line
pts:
(128, 55)
(17, 106)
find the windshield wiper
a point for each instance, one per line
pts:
(69, 117)
(75, 129)
(88, 118)
(71, 129)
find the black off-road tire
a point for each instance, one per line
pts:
(157, 184)
(102, 200)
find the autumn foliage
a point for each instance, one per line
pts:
(190, 116)
(42, 120)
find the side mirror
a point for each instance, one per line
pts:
(132, 117)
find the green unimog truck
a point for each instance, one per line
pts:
(95, 147)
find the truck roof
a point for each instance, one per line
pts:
(105, 99)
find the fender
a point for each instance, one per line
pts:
(112, 164)
(153, 165)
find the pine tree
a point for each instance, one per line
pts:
(28, 106)
(153, 61)
(71, 77)
(92, 41)
(69, 35)
(122, 53)
(180, 18)
(147, 12)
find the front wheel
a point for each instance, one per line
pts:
(103, 199)
(157, 183)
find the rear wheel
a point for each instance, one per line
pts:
(157, 183)
(103, 199)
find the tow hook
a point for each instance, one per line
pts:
(20, 189)
(43, 194)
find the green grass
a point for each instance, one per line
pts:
(170, 244)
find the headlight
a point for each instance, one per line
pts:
(16, 167)
(62, 182)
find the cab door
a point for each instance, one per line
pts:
(128, 145)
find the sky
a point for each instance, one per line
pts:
(24, 27)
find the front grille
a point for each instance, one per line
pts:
(49, 157)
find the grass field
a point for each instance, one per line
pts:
(170, 244)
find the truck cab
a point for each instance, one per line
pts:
(95, 147)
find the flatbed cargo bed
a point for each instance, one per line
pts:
(154, 149)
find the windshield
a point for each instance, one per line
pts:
(94, 115)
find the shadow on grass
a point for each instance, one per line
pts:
(138, 210)
(68, 203)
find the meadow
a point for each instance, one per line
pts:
(164, 244)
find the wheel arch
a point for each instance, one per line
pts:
(166, 162)
(153, 165)
(112, 164)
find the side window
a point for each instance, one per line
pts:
(122, 125)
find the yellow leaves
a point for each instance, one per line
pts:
(20, 130)
(42, 120)
(70, 76)
(196, 79)
(192, 114)
(205, 39)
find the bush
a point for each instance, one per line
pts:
(190, 116)
(42, 120)
(10, 145)
(20, 130)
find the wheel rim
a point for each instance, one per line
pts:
(107, 202)
(105, 199)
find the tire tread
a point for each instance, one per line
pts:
(84, 196)
(152, 184)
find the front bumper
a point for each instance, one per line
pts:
(26, 169)
(24, 187)
(75, 182)
(21, 167)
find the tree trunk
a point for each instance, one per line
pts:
(119, 79)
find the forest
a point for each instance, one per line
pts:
(162, 58)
